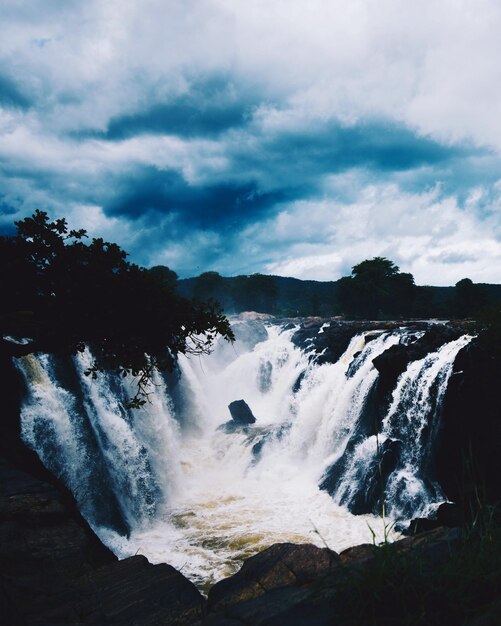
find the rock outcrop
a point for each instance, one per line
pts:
(467, 456)
(283, 586)
(328, 345)
(241, 413)
(395, 360)
(55, 571)
(281, 565)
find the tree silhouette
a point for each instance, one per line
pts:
(60, 294)
(375, 288)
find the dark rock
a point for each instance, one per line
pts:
(315, 600)
(133, 591)
(297, 385)
(328, 345)
(358, 554)
(281, 565)
(434, 546)
(54, 572)
(395, 360)
(277, 606)
(257, 448)
(448, 515)
(331, 343)
(241, 413)
(369, 499)
(467, 457)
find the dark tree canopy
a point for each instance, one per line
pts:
(256, 292)
(376, 288)
(469, 298)
(61, 293)
(164, 274)
(377, 269)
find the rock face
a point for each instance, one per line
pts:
(290, 585)
(55, 571)
(331, 343)
(395, 360)
(281, 565)
(370, 499)
(241, 413)
(468, 462)
(448, 515)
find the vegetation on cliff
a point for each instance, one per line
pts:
(60, 294)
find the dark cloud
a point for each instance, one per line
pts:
(225, 205)
(210, 107)
(379, 146)
(182, 118)
(11, 95)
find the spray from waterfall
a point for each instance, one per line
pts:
(171, 481)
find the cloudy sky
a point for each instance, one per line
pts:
(280, 136)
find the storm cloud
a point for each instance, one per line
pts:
(273, 137)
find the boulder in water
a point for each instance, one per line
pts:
(241, 413)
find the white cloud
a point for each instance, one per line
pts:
(427, 235)
(434, 64)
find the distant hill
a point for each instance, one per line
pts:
(267, 294)
(289, 297)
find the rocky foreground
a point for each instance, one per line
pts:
(55, 571)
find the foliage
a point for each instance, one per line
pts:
(376, 288)
(469, 298)
(62, 294)
(278, 295)
(416, 589)
(164, 274)
(255, 292)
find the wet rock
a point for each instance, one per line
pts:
(241, 413)
(328, 345)
(448, 515)
(467, 458)
(320, 598)
(55, 572)
(250, 333)
(395, 360)
(369, 498)
(133, 591)
(281, 565)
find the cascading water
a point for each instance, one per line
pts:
(171, 482)
(397, 456)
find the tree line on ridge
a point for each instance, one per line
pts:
(376, 289)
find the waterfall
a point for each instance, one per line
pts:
(119, 464)
(407, 436)
(172, 481)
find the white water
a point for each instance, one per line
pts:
(413, 420)
(198, 497)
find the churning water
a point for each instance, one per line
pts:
(167, 482)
